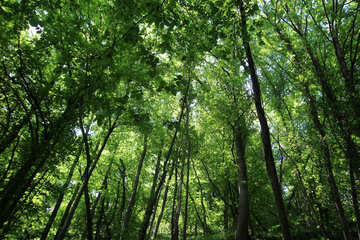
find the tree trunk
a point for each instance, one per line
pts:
(60, 234)
(328, 165)
(354, 199)
(187, 188)
(163, 203)
(265, 133)
(132, 199)
(60, 199)
(243, 207)
(152, 200)
(175, 235)
(86, 181)
(205, 226)
(176, 185)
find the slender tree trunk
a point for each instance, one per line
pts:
(60, 199)
(17, 185)
(10, 161)
(154, 215)
(187, 189)
(198, 216)
(265, 133)
(315, 118)
(176, 185)
(354, 199)
(67, 211)
(132, 199)
(152, 200)
(243, 207)
(86, 181)
(226, 218)
(99, 222)
(60, 234)
(103, 188)
(13, 134)
(123, 195)
(175, 235)
(163, 203)
(206, 228)
(328, 165)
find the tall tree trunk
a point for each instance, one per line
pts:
(99, 222)
(67, 211)
(243, 207)
(315, 117)
(173, 207)
(265, 132)
(132, 200)
(187, 188)
(60, 234)
(163, 203)
(175, 235)
(103, 188)
(354, 199)
(35, 161)
(152, 200)
(86, 181)
(154, 214)
(328, 165)
(204, 220)
(60, 199)
(198, 216)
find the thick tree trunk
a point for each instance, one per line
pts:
(132, 200)
(265, 132)
(35, 161)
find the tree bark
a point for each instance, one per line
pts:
(60, 199)
(60, 234)
(265, 132)
(163, 203)
(132, 200)
(152, 200)
(173, 207)
(204, 220)
(243, 206)
(187, 188)
(328, 165)
(86, 181)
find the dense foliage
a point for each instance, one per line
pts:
(175, 119)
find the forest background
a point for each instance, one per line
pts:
(179, 119)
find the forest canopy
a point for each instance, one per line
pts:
(179, 119)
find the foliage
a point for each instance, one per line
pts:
(83, 83)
